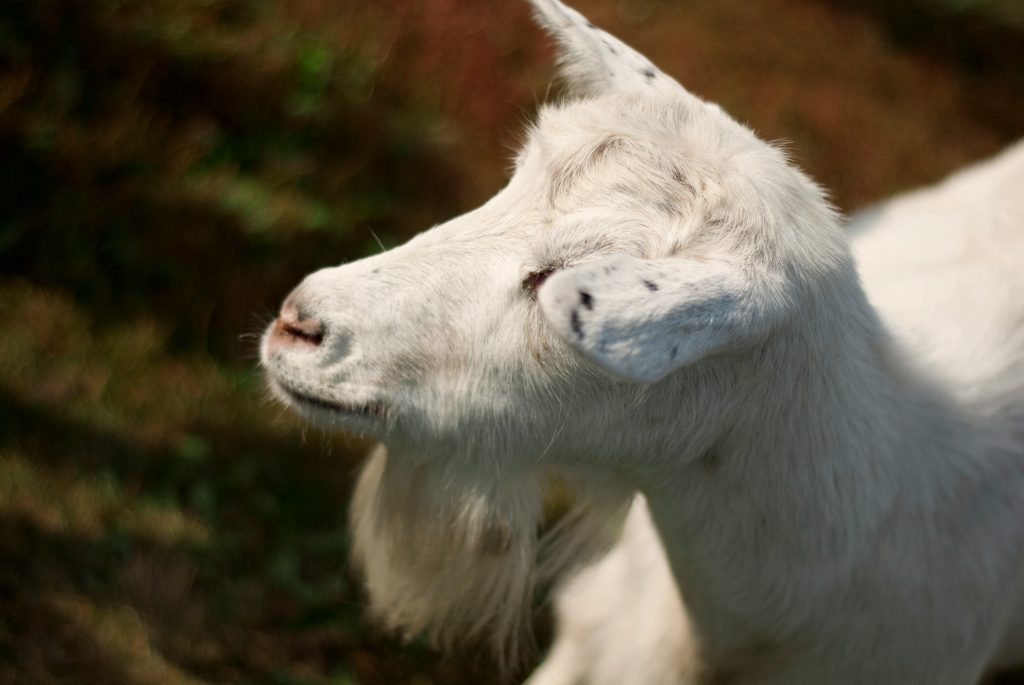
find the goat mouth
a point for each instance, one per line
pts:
(366, 410)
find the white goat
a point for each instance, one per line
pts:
(659, 303)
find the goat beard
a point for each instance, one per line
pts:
(459, 557)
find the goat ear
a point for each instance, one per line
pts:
(594, 61)
(641, 319)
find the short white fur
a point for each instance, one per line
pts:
(827, 479)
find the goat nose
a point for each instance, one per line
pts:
(294, 328)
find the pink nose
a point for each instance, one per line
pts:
(294, 329)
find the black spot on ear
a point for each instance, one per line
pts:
(586, 299)
(650, 285)
(574, 323)
(590, 25)
(649, 74)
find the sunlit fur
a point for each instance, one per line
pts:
(835, 473)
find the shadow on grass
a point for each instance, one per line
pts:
(260, 594)
(968, 39)
(37, 643)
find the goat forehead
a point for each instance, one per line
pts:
(652, 140)
(624, 162)
(612, 156)
(649, 114)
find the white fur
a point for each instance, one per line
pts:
(835, 473)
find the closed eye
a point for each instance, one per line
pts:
(536, 278)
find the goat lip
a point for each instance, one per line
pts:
(369, 410)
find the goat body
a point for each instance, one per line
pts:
(939, 265)
(776, 474)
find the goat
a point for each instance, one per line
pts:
(776, 475)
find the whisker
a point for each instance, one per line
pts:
(377, 238)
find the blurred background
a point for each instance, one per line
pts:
(169, 169)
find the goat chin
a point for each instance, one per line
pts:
(459, 559)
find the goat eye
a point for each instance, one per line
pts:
(536, 279)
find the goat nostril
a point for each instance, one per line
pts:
(293, 330)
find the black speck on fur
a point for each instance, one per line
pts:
(586, 299)
(651, 285)
(649, 74)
